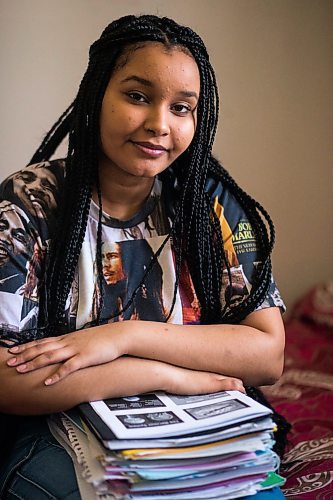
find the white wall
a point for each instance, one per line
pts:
(273, 60)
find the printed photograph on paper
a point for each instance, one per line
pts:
(213, 410)
(134, 421)
(134, 402)
(185, 400)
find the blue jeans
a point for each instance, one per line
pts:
(37, 467)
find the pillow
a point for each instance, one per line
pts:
(317, 305)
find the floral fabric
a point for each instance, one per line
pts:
(304, 395)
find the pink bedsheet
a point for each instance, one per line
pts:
(304, 395)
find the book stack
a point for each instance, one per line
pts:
(160, 446)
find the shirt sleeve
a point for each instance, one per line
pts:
(241, 250)
(21, 254)
(28, 200)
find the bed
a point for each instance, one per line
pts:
(304, 395)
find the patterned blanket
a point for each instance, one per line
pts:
(304, 395)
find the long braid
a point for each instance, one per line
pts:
(54, 137)
(207, 260)
(81, 169)
(257, 216)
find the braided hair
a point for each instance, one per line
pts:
(196, 232)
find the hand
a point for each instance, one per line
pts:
(191, 382)
(76, 350)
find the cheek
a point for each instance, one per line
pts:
(20, 247)
(4, 236)
(184, 136)
(107, 119)
(115, 126)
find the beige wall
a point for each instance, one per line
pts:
(273, 60)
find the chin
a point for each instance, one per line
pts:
(146, 167)
(147, 172)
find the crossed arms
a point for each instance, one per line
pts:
(133, 357)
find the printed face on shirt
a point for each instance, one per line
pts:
(148, 115)
(36, 187)
(112, 263)
(14, 239)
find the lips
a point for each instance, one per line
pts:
(150, 149)
(150, 145)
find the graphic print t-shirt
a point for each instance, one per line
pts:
(28, 215)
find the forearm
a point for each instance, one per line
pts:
(230, 350)
(247, 352)
(27, 394)
(252, 352)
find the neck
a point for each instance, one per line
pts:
(123, 194)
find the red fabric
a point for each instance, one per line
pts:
(304, 395)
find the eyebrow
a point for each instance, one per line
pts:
(148, 83)
(27, 176)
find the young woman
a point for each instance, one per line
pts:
(139, 167)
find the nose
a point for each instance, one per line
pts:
(157, 121)
(107, 266)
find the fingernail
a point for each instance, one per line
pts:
(21, 368)
(13, 349)
(48, 381)
(11, 361)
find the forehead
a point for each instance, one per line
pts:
(12, 217)
(110, 248)
(159, 64)
(34, 172)
(42, 172)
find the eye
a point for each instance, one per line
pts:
(114, 256)
(47, 185)
(3, 224)
(137, 96)
(20, 237)
(28, 177)
(182, 109)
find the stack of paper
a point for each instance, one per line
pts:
(160, 446)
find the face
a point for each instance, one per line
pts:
(38, 182)
(148, 114)
(14, 239)
(112, 263)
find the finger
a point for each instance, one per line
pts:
(23, 347)
(33, 352)
(45, 359)
(70, 366)
(231, 384)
